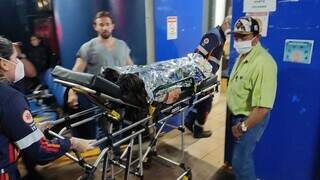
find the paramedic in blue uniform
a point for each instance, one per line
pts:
(211, 48)
(19, 135)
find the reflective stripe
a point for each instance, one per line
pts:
(197, 123)
(194, 110)
(201, 49)
(211, 58)
(28, 140)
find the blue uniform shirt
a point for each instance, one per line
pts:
(211, 47)
(18, 134)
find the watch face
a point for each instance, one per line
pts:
(244, 128)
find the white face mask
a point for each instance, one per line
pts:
(243, 47)
(19, 71)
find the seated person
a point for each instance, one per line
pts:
(37, 60)
(40, 55)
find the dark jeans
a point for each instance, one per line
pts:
(87, 130)
(199, 113)
(242, 160)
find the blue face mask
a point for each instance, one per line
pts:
(19, 71)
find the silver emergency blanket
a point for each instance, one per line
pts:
(169, 72)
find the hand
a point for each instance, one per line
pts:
(72, 99)
(81, 145)
(29, 68)
(236, 132)
(45, 125)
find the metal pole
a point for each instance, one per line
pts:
(61, 120)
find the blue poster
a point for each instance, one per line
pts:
(298, 51)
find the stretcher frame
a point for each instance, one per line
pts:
(106, 156)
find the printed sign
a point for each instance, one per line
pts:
(172, 27)
(298, 51)
(259, 5)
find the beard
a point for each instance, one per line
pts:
(105, 35)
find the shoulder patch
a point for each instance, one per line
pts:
(27, 117)
(206, 41)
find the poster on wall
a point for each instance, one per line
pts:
(259, 5)
(263, 17)
(172, 27)
(298, 51)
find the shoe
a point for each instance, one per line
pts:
(202, 134)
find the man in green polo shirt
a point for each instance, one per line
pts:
(250, 95)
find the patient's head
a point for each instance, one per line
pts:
(111, 75)
(131, 86)
(133, 91)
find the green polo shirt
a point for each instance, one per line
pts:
(253, 82)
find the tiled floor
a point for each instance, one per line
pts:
(211, 149)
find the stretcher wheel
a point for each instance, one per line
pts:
(188, 176)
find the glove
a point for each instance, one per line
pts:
(45, 125)
(81, 145)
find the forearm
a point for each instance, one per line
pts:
(256, 115)
(46, 151)
(129, 61)
(80, 65)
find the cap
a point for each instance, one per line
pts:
(246, 25)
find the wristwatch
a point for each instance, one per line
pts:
(244, 126)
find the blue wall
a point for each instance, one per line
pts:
(73, 20)
(131, 26)
(16, 19)
(74, 25)
(290, 146)
(190, 19)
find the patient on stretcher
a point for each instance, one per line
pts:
(131, 85)
(163, 81)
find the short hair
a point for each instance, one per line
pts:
(101, 14)
(36, 36)
(6, 48)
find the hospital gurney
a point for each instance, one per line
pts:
(107, 95)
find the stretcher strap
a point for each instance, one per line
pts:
(115, 115)
(151, 109)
